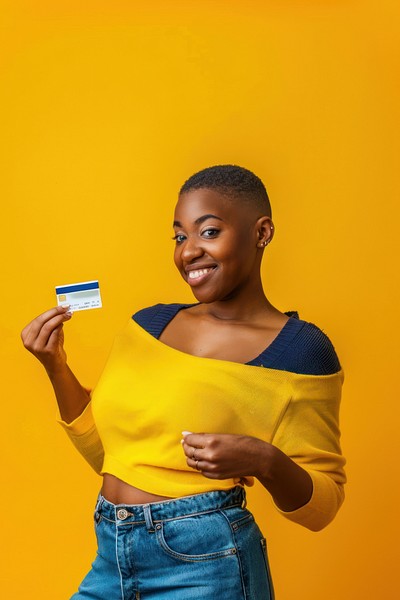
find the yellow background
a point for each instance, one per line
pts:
(106, 108)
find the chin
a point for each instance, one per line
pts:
(208, 297)
(203, 296)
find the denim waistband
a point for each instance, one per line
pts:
(171, 509)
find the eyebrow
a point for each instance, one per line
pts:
(199, 221)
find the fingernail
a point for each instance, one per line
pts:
(184, 433)
(69, 314)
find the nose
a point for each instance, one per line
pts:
(191, 249)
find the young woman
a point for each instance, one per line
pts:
(194, 403)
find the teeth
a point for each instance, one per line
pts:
(199, 273)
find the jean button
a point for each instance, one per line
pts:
(122, 513)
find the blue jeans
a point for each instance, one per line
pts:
(202, 547)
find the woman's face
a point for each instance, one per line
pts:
(216, 248)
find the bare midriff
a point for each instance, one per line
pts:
(119, 492)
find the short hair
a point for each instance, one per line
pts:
(233, 181)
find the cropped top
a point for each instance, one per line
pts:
(149, 393)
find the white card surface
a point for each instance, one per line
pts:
(79, 296)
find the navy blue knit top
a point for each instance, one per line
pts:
(300, 347)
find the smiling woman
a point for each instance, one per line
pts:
(171, 519)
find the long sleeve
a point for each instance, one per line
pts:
(309, 434)
(83, 434)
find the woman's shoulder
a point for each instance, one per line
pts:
(306, 349)
(155, 318)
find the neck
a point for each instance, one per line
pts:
(243, 306)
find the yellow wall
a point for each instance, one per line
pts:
(106, 107)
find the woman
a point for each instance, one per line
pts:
(255, 393)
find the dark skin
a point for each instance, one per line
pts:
(219, 246)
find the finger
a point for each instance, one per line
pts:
(54, 338)
(188, 443)
(49, 314)
(50, 327)
(197, 454)
(188, 450)
(194, 464)
(209, 471)
(37, 339)
(196, 440)
(211, 475)
(34, 327)
(192, 452)
(201, 461)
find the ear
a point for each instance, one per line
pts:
(265, 231)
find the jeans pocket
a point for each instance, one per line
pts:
(238, 517)
(196, 538)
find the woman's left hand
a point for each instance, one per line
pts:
(223, 456)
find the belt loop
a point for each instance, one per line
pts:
(99, 503)
(148, 518)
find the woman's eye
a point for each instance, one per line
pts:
(179, 238)
(210, 233)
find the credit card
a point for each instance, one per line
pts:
(80, 296)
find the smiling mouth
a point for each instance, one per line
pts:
(199, 273)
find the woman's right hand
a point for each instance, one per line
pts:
(44, 338)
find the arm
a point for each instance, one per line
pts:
(224, 456)
(309, 433)
(302, 468)
(44, 338)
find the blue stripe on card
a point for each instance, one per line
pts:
(77, 287)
